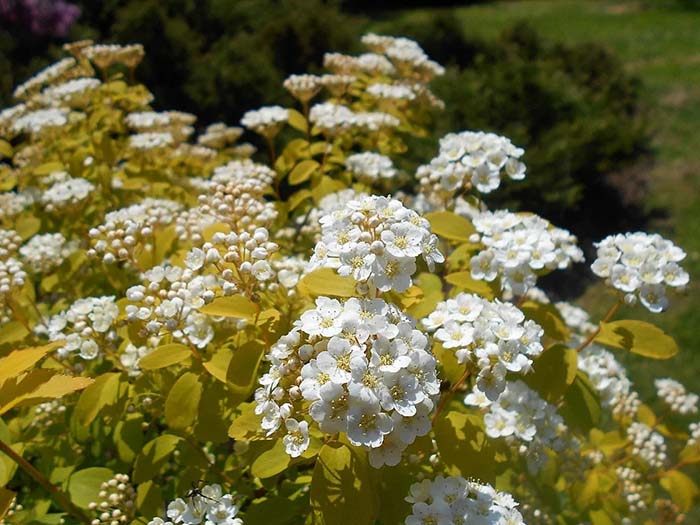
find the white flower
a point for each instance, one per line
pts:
(297, 439)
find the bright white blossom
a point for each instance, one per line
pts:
(45, 252)
(641, 265)
(377, 241)
(370, 166)
(453, 499)
(493, 337)
(366, 372)
(518, 248)
(208, 506)
(676, 396)
(266, 121)
(649, 445)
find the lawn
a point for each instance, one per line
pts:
(660, 43)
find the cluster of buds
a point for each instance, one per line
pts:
(266, 121)
(106, 55)
(12, 278)
(236, 195)
(649, 445)
(57, 72)
(117, 502)
(219, 135)
(636, 492)
(303, 87)
(128, 231)
(10, 241)
(676, 396)
(43, 253)
(66, 193)
(73, 93)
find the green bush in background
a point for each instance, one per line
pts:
(572, 107)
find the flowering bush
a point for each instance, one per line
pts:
(190, 336)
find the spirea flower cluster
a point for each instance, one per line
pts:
(493, 337)
(40, 120)
(127, 231)
(65, 193)
(454, 499)
(520, 414)
(87, 327)
(649, 445)
(43, 253)
(641, 265)
(377, 241)
(610, 379)
(10, 241)
(359, 367)
(117, 502)
(369, 167)
(470, 160)
(266, 121)
(519, 248)
(676, 396)
(635, 490)
(209, 506)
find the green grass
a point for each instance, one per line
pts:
(660, 43)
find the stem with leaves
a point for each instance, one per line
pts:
(60, 497)
(613, 310)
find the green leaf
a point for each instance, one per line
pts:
(13, 332)
(554, 370)
(128, 437)
(271, 462)
(237, 306)
(165, 355)
(302, 171)
(464, 446)
(326, 282)
(681, 488)
(341, 489)
(84, 485)
(154, 456)
(5, 149)
(465, 281)
(149, 498)
(638, 337)
(549, 318)
(297, 120)
(581, 408)
(242, 373)
(246, 427)
(183, 401)
(450, 225)
(297, 198)
(600, 517)
(21, 360)
(103, 392)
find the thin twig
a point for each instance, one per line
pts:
(605, 319)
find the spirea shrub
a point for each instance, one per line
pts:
(193, 335)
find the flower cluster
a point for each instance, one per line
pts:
(376, 240)
(470, 160)
(37, 121)
(151, 140)
(168, 301)
(60, 70)
(117, 502)
(303, 87)
(43, 253)
(105, 55)
(694, 431)
(127, 231)
(67, 192)
(641, 265)
(72, 93)
(130, 357)
(391, 91)
(12, 278)
(635, 491)
(408, 57)
(266, 121)
(519, 247)
(87, 326)
(494, 337)
(610, 379)
(520, 414)
(208, 505)
(13, 203)
(219, 135)
(574, 317)
(650, 446)
(359, 367)
(676, 397)
(369, 167)
(453, 499)
(236, 195)
(10, 242)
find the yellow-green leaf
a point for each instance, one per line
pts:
(302, 171)
(325, 281)
(166, 355)
(638, 337)
(246, 427)
(6, 497)
(297, 120)
(12, 332)
(21, 360)
(154, 456)
(84, 485)
(48, 167)
(101, 393)
(5, 149)
(27, 226)
(242, 373)
(342, 492)
(58, 386)
(465, 281)
(681, 488)
(297, 198)
(554, 370)
(464, 446)
(183, 401)
(450, 225)
(549, 318)
(271, 462)
(237, 306)
(581, 408)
